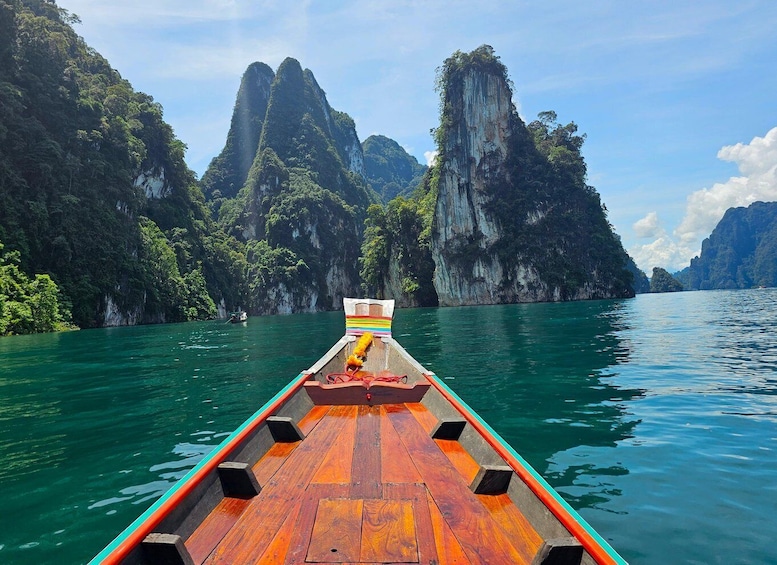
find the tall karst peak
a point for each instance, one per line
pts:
(228, 172)
(741, 252)
(514, 219)
(302, 202)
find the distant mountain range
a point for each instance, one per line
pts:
(741, 252)
(389, 169)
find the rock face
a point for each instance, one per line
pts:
(474, 153)
(227, 173)
(152, 183)
(302, 201)
(741, 252)
(511, 223)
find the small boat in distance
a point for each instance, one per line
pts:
(237, 316)
(366, 457)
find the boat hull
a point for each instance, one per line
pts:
(400, 471)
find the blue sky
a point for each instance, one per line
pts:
(678, 99)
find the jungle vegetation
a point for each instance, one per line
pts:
(101, 220)
(75, 139)
(741, 252)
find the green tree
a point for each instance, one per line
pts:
(28, 306)
(396, 250)
(662, 281)
(84, 160)
(44, 304)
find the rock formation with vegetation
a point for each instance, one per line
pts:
(301, 205)
(103, 224)
(389, 169)
(741, 252)
(504, 215)
(662, 281)
(94, 191)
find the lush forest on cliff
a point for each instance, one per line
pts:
(741, 252)
(94, 191)
(548, 220)
(299, 207)
(662, 281)
(103, 223)
(389, 170)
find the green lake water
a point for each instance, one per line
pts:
(656, 418)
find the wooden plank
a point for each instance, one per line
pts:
(309, 420)
(388, 532)
(479, 535)
(276, 552)
(336, 467)
(460, 458)
(166, 548)
(249, 537)
(421, 413)
(365, 471)
(396, 465)
(214, 527)
(427, 547)
(238, 479)
(449, 550)
(336, 536)
(284, 429)
(303, 528)
(512, 520)
(355, 392)
(271, 461)
(449, 428)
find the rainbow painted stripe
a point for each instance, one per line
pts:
(378, 326)
(368, 315)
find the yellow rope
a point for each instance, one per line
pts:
(360, 351)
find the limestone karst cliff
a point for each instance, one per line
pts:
(741, 252)
(97, 194)
(514, 220)
(302, 202)
(94, 189)
(227, 174)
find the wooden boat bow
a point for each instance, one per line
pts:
(362, 470)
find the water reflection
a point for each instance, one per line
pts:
(97, 424)
(543, 375)
(643, 407)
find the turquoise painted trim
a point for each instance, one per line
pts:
(160, 501)
(588, 528)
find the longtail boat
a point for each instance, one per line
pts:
(366, 457)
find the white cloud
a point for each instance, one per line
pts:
(757, 158)
(757, 161)
(647, 226)
(430, 156)
(663, 252)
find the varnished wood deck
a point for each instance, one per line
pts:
(367, 485)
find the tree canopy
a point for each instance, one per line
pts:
(28, 305)
(741, 252)
(662, 281)
(91, 175)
